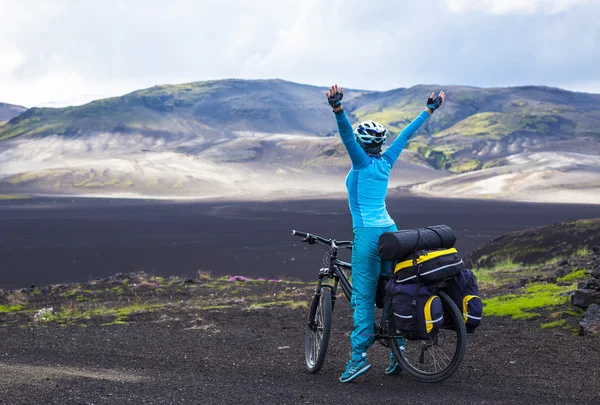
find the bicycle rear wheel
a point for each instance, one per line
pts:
(438, 358)
(318, 329)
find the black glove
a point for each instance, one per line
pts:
(336, 100)
(434, 103)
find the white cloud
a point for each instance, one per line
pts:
(59, 51)
(515, 6)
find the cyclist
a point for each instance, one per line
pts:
(367, 183)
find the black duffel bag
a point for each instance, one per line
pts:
(395, 246)
(429, 266)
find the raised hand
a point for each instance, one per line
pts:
(433, 102)
(334, 96)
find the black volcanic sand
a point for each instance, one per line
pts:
(45, 240)
(188, 353)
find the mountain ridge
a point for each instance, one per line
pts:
(9, 111)
(258, 122)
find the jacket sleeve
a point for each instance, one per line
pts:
(357, 154)
(393, 152)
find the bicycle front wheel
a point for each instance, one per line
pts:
(437, 358)
(318, 329)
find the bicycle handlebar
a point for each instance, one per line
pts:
(315, 238)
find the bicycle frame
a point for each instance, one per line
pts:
(340, 279)
(336, 272)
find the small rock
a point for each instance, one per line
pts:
(596, 249)
(585, 297)
(189, 280)
(591, 284)
(561, 273)
(521, 282)
(596, 272)
(563, 262)
(590, 323)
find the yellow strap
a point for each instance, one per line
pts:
(466, 300)
(428, 320)
(428, 256)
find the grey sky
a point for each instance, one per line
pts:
(70, 51)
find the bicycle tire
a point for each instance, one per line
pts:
(445, 360)
(318, 330)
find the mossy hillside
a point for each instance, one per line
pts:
(540, 245)
(531, 274)
(475, 121)
(208, 109)
(524, 304)
(512, 290)
(472, 122)
(59, 179)
(122, 299)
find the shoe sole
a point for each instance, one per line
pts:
(357, 374)
(395, 370)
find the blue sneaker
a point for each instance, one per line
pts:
(394, 366)
(355, 369)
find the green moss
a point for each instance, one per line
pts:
(555, 324)
(489, 125)
(12, 197)
(521, 306)
(22, 178)
(465, 166)
(113, 323)
(78, 312)
(81, 183)
(116, 290)
(72, 292)
(494, 163)
(485, 277)
(575, 312)
(572, 276)
(582, 251)
(10, 308)
(288, 303)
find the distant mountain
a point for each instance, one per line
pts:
(265, 126)
(9, 111)
(476, 127)
(206, 110)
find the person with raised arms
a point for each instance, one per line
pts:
(367, 184)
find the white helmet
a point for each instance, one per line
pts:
(370, 133)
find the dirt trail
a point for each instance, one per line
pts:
(256, 357)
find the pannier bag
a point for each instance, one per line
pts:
(417, 312)
(394, 246)
(463, 290)
(429, 266)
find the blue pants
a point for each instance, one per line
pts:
(366, 269)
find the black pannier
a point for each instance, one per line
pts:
(463, 290)
(394, 246)
(417, 312)
(429, 266)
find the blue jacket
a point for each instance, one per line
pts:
(367, 181)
